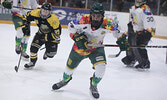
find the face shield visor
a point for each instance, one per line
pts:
(44, 13)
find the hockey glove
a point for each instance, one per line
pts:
(26, 28)
(123, 43)
(144, 37)
(7, 4)
(81, 41)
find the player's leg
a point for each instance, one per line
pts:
(98, 60)
(73, 61)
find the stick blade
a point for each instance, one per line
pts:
(112, 56)
(16, 68)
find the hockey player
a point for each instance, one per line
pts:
(18, 11)
(49, 33)
(140, 30)
(88, 34)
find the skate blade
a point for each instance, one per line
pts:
(30, 68)
(25, 59)
(142, 69)
(92, 97)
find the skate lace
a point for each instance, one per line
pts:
(24, 54)
(94, 89)
(61, 83)
(30, 63)
(17, 48)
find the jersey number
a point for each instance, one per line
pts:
(150, 19)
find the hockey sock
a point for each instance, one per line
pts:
(95, 80)
(18, 41)
(66, 77)
(24, 47)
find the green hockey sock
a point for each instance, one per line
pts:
(24, 47)
(18, 41)
(66, 77)
(95, 80)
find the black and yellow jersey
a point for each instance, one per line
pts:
(50, 27)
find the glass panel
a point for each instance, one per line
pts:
(106, 3)
(74, 3)
(117, 5)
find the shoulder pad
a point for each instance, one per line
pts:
(85, 19)
(53, 21)
(109, 24)
(35, 13)
(146, 9)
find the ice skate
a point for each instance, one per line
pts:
(94, 91)
(60, 84)
(144, 65)
(29, 65)
(25, 56)
(45, 56)
(18, 49)
(128, 62)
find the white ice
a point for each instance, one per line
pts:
(118, 83)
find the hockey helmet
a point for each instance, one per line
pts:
(97, 8)
(46, 6)
(139, 2)
(96, 15)
(45, 10)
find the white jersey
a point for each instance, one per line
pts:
(30, 4)
(142, 18)
(95, 37)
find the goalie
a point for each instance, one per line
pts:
(140, 30)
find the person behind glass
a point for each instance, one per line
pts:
(140, 30)
(88, 34)
(49, 33)
(18, 10)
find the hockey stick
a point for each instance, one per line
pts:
(17, 67)
(22, 8)
(51, 11)
(114, 55)
(42, 48)
(133, 46)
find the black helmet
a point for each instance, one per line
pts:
(97, 8)
(46, 6)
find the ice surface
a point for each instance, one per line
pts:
(118, 83)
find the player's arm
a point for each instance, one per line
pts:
(7, 4)
(56, 28)
(121, 38)
(149, 26)
(77, 35)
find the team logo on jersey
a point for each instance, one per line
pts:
(103, 32)
(44, 28)
(54, 22)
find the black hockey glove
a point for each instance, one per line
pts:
(26, 28)
(7, 4)
(81, 41)
(130, 30)
(144, 37)
(123, 43)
